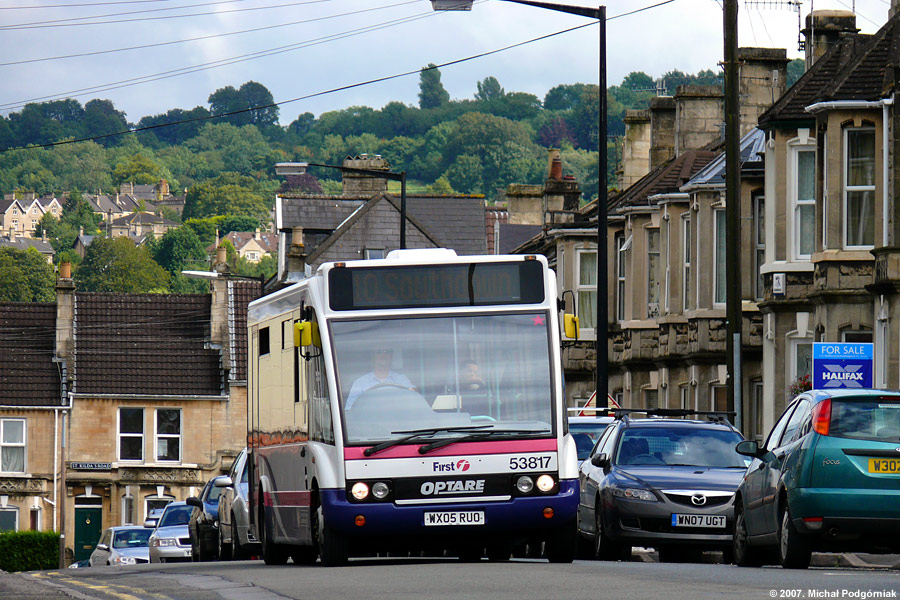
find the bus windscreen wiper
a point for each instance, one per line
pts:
(414, 433)
(475, 437)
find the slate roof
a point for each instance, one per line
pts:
(667, 178)
(5, 203)
(454, 221)
(23, 243)
(814, 84)
(142, 218)
(28, 375)
(144, 344)
(268, 241)
(713, 174)
(512, 236)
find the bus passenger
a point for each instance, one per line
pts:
(470, 379)
(381, 373)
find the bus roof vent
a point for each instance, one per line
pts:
(427, 254)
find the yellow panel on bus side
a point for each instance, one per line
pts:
(282, 411)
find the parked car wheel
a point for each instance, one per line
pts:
(238, 550)
(605, 548)
(224, 548)
(743, 553)
(333, 548)
(794, 551)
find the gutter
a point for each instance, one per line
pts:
(818, 107)
(885, 103)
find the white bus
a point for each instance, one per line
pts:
(412, 403)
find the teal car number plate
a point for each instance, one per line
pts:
(711, 521)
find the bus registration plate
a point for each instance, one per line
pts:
(456, 517)
(698, 521)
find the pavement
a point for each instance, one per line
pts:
(819, 559)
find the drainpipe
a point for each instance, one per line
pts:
(885, 103)
(55, 465)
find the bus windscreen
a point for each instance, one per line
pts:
(475, 284)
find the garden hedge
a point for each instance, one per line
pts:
(29, 550)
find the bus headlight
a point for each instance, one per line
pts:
(380, 490)
(360, 490)
(545, 483)
(525, 484)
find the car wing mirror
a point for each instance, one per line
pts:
(600, 460)
(151, 523)
(224, 482)
(102, 547)
(193, 501)
(748, 448)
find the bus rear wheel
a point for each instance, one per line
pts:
(273, 554)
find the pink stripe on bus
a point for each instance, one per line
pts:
(463, 448)
(300, 498)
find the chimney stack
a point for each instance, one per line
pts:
(762, 80)
(360, 183)
(699, 116)
(825, 27)
(636, 153)
(662, 130)
(296, 255)
(65, 311)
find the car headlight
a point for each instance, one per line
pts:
(360, 490)
(634, 494)
(156, 542)
(124, 560)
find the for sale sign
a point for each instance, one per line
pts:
(842, 366)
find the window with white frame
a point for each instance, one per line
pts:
(9, 519)
(653, 261)
(586, 290)
(804, 200)
(720, 258)
(859, 187)
(651, 399)
(685, 261)
(374, 253)
(156, 502)
(685, 397)
(756, 410)
(759, 244)
(131, 434)
(801, 358)
(252, 256)
(12, 445)
(168, 434)
(621, 250)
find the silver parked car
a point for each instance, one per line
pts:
(170, 540)
(235, 539)
(126, 545)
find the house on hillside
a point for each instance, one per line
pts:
(149, 389)
(41, 244)
(20, 217)
(139, 225)
(364, 222)
(250, 245)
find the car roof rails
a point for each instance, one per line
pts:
(716, 416)
(590, 411)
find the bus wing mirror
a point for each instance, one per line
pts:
(571, 326)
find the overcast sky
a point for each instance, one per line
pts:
(306, 47)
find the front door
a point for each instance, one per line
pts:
(88, 525)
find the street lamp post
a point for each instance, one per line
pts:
(602, 323)
(299, 168)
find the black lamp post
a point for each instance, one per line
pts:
(602, 324)
(300, 169)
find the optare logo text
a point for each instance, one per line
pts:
(450, 467)
(448, 488)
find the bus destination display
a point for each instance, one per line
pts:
(477, 284)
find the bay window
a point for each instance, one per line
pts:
(859, 188)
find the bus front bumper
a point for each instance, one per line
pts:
(520, 516)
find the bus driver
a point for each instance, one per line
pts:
(381, 373)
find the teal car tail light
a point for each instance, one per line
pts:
(822, 417)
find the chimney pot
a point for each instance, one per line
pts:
(556, 169)
(221, 255)
(65, 270)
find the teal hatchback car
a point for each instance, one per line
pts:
(827, 479)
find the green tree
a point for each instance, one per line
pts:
(263, 269)
(563, 97)
(489, 89)
(25, 276)
(465, 174)
(245, 102)
(117, 265)
(795, 70)
(140, 169)
(179, 249)
(102, 119)
(227, 194)
(431, 91)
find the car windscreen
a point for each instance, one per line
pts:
(679, 445)
(866, 418)
(132, 538)
(176, 515)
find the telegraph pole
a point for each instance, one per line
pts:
(732, 212)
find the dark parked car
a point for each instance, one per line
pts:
(586, 431)
(665, 483)
(204, 524)
(826, 480)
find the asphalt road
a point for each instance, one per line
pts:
(422, 579)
